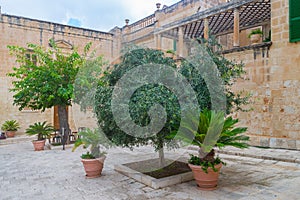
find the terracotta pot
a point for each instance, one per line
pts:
(255, 38)
(206, 181)
(38, 145)
(170, 55)
(10, 133)
(93, 167)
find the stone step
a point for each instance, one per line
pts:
(284, 155)
(17, 139)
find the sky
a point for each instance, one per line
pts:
(102, 15)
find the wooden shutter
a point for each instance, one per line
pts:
(294, 20)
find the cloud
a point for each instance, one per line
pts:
(138, 9)
(93, 14)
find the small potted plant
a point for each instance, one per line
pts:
(170, 53)
(43, 131)
(93, 159)
(213, 131)
(255, 36)
(10, 127)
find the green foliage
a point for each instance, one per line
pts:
(268, 39)
(229, 72)
(195, 160)
(148, 95)
(255, 31)
(46, 78)
(141, 101)
(46, 82)
(170, 51)
(213, 129)
(93, 139)
(86, 82)
(87, 155)
(42, 129)
(10, 125)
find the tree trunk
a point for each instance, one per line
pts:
(63, 123)
(162, 161)
(207, 156)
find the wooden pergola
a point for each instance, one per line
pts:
(230, 17)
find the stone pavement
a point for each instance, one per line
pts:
(57, 174)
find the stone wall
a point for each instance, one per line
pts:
(275, 85)
(20, 31)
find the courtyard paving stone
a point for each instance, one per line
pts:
(57, 174)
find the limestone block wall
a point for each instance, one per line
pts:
(20, 31)
(275, 85)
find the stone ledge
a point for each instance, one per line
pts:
(60, 147)
(154, 182)
(16, 139)
(249, 47)
(265, 154)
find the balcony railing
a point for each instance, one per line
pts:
(147, 21)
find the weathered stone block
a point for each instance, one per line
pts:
(265, 142)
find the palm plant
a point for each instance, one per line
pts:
(211, 130)
(10, 125)
(93, 139)
(41, 129)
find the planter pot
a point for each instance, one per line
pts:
(38, 145)
(10, 134)
(170, 55)
(206, 181)
(255, 38)
(93, 167)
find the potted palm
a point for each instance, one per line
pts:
(255, 36)
(10, 127)
(43, 131)
(213, 131)
(93, 159)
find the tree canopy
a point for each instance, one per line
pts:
(46, 77)
(145, 97)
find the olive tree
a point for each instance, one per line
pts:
(145, 97)
(140, 102)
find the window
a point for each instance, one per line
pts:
(31, 60)
(174, 45)
(294, 20)
(31, 57)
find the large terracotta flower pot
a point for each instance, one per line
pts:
(255, 38)
(93, 167)
(38, 145)
(10, 134)
(206, 181)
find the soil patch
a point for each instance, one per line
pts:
(151, 168)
